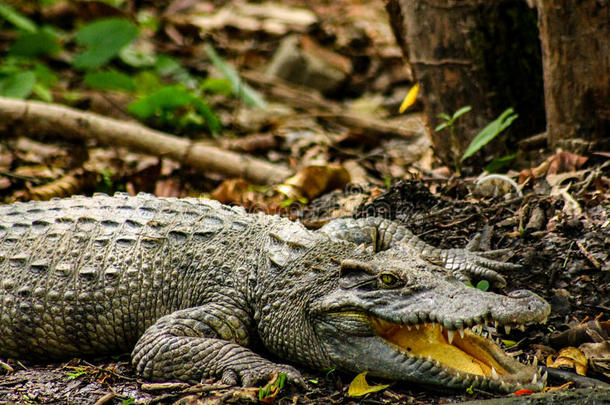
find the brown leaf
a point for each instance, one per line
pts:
(591, 331)
(311, 181)
(558, 163)
(565, 162)
(598, 355)
(233, 191)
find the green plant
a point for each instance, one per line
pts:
(449, 122)
(270, 391)
(487, 134)
(482, 285)
(78, 371)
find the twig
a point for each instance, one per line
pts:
(38, 117)
(105, 370)
(105, 399)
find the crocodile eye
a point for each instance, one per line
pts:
(389, 280)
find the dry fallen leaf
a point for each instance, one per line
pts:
(570, 357)
(598, 355)
(359, 387)
(311, 181)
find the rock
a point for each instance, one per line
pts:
(301, 62)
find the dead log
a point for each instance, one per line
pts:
(37, 117)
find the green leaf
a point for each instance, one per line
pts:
(17, 19)
(166, 98)
(17, 85)
(461, 112)
(146, 82)
(444, 116)
(508, 342)
(441, 126)
(138, 58)
(488, 133)
(42, 42)
(171, 98)
(42, 92)
(483, 285)
(169, 67)
(103, 39)
(241, 89)
(211, 121)
(495, 165)
(44, 75)
(216, 86)
(109, 80)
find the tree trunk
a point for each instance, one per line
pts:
(575, 39)
(473, 52)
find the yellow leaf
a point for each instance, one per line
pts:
(409, 99)
(569, 357)
(359, 387)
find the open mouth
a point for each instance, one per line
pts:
(463, 353)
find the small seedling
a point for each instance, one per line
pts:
(449, 122)
(269, 392)
(78, 371)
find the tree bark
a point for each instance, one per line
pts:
(477, 53)
(575, 39)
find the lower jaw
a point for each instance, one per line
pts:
(471, 360)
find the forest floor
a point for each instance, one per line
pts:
(338, 129)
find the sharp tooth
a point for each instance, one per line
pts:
(429, 358)
(450, 336)
(522, 328)
(504, 386)
(496, 324)
(494, 373)
(408, 327)
(461, 330)
(535, 379)
(545, 376)
(507, 329)
(535, 362)
(440, 325)
(417, 326)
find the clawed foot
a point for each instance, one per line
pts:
(252, 375)
(470, 262)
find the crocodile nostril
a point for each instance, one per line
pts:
(520, 294)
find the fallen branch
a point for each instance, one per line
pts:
(316, 105)
(38, 117)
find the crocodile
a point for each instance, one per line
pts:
(196, 289)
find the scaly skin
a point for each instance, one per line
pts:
(191, 285)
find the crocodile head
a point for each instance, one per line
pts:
(407, 320)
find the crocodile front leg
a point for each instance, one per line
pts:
(195, 343)
(384, 234)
